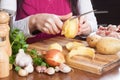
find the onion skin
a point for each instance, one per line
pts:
(54, 57)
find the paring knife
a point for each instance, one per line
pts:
(83, 14)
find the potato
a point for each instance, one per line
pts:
(82, 51)
(70, 28)
(71, 45)
(108, 45)
(92, 39)
(55, 46)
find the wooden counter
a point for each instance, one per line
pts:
(76, 74)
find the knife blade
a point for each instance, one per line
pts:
(82, 14)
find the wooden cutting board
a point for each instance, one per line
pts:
(99, 65)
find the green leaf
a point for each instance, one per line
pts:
(17, 68)
(17, 40)
(37, 61)
(33, 53)
(43, 64)
(12, 59)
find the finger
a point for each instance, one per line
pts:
(86, 30)
(65, 17)
(54, 27)
(45, 30)
(82, 28)
(82, 20)
(48, 26)
(58, 22)
(79, 33)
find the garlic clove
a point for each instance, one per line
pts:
(57, 69)
(29, 68)
(50, 71)
(22, 72)
(65, 68)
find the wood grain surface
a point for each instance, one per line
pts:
(98, 65)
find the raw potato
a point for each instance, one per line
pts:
(92, 39)
(108, 45)
(55, 46)
(70, 28)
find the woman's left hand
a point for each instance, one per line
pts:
(84, 26)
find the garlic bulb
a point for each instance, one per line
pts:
(23, 59)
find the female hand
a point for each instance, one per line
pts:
(84, 26)
(48, 23)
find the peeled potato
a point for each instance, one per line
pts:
(55, 46)
(108, 45)
(72, 45)
(70, 28)
(82, 51)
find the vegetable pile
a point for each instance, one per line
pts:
(104, 45)
(25, 61)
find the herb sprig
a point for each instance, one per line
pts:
(18, 41)
(38, 60)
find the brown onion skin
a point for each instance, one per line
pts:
(50, 57)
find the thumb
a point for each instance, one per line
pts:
(65, 17)
(82, 19)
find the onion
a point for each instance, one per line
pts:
(54, 57)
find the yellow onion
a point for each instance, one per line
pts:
(54, 57)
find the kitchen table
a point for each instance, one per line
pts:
(75, 74)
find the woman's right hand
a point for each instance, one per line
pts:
(47, 23)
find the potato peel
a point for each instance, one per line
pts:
(82, 51)
(55, 46)
(72, 45)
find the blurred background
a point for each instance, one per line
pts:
(113, 8)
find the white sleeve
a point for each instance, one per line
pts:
(85, 6)
(21, 25)
(10, 7)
